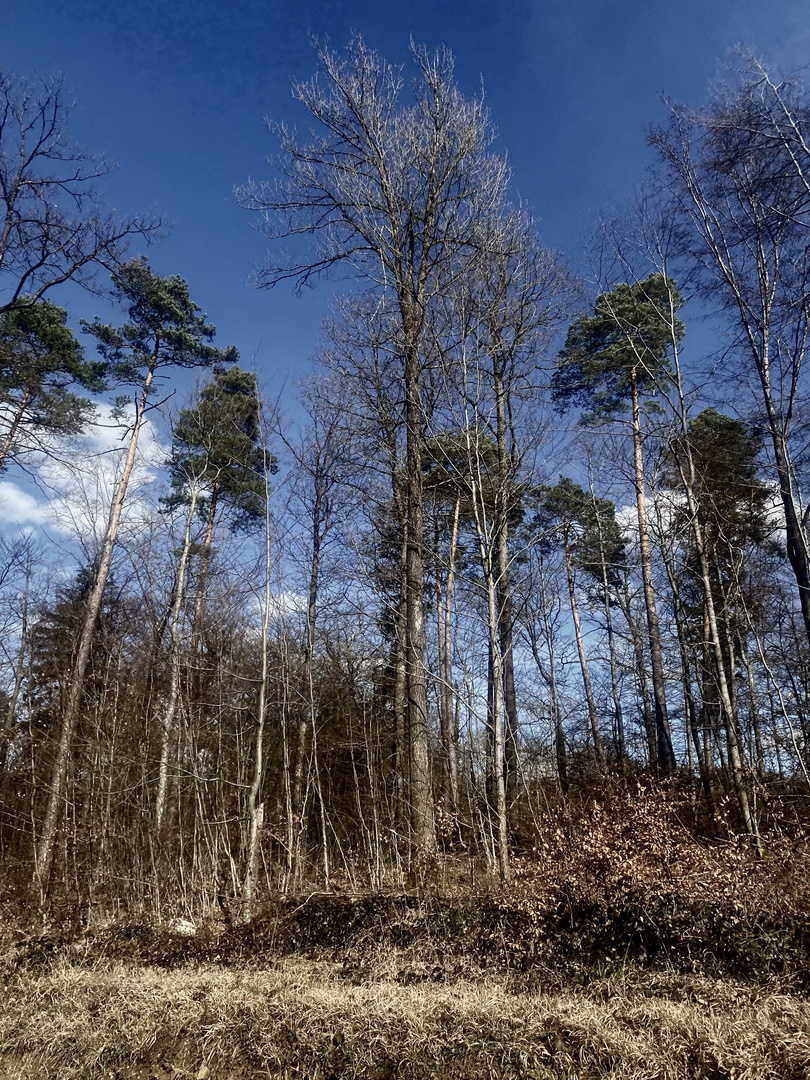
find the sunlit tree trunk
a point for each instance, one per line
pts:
(593, 715)
(665, 756)
(168, 713)
(444, 613)
(205, 566)
(59, 772)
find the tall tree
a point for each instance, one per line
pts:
(217, 452)
(165, 328)
(445, 464)
(714, 462)
(601, 552)
(322, 464)
(466, 463)
(541, 609)
(503, 315)
(738, 176)
(397, 190)
(610, 361)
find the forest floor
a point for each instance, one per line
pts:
(624, 946)
(400, 988)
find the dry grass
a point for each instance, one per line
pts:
(306, 1019)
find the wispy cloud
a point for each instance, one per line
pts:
(71, 490)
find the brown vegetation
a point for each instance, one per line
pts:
(624, 947)
(307, 1018)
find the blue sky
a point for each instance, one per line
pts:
(177, 92)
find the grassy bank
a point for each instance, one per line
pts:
(623, 947)
(311, 1019)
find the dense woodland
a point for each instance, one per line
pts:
(528, 535)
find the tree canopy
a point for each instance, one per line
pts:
(625, 342)
(40, 362)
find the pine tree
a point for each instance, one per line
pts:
(165, 328)
(40, 362)
(611, 361)
(217, 447)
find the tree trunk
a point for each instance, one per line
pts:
(401, 757)
(423, 824)
(693, 728)
(593, 716)
(505, 644)
(444, 606)
(666, 756)
(47, 839)
(168, 719)
(306, 722)
(498, 728)
(205, 566)
(504, 591)
(13, 428)
(621, 749)
(641, 675)
(550, 678)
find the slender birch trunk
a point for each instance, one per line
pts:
(593, 716)
(255, 806)
(487, 547)
(167, 723)
(666, 756)
(504, 588)
(306, 724)
(47, 839)
(444, 605)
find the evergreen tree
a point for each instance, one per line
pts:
(165, 328)
(216, 460)
(731, 503)
(217, 441)
(731, 499)
(40, 360)
(611, 361)
(217, 448)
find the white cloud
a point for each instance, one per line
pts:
(18, 507)
(75, 485)
(286, 603)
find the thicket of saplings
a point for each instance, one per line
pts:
(497, 719)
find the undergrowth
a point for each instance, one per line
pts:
(624, 946)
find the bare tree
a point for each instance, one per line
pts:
(397, 192)
(738, 173)
(322, 465)
(508, 310)
(255, 806)
(53, 225)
